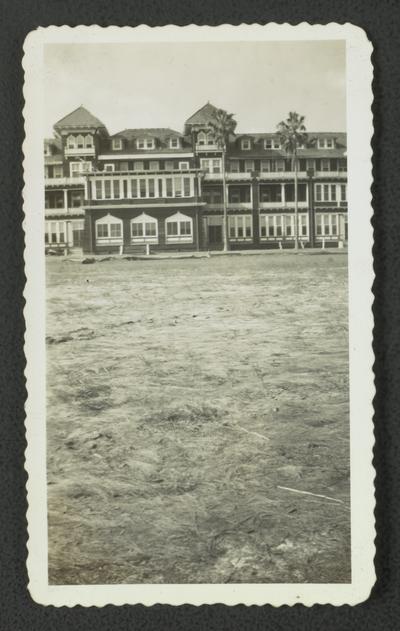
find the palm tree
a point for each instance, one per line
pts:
(223, 125)
(292, 135)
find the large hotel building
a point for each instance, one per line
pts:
(164, 188)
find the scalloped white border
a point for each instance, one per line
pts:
(361, 276)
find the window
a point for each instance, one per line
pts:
(343, 192)
(240, 227)
(134, 188)
(57, 171)
(150, 143)
(116, 189)
(71, 142)
(79, 142)
(265, 166)
(333, 192)
(151, 187)
(117, 144)
(109, 167)
(144, 228)
(268, 143)
(289, 225)
(245, 144)
(186, 187)
(234, 166)
(169, 165)
(107, 189)
(342, 165)
(184, 166)
(201, 138)
(174, 143)
(123, 166)
(326, 143)
(168, 185)
(109, 230)
(178, 186)
(88, 141)
(142, 188)
(271, 193)
(310, 164)
(211, 165)
(154, 165)
(280, 165)
(99, 189)
(138, 165)
(179, 228)
(239, 194)
(249, 166)
(140, 143)
(325, 165)
(326, 192)
(329, 143)
(76, 199)
(145, 143)
(326, 225)
(303, 225)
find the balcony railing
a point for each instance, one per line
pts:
(272, 175)
(68, 212)
(270, 205)
(79, 151)
(64, 181)
(207, 147)
(217, 177)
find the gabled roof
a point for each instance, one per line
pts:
(161, 133)
(80, 118)
(203, 115)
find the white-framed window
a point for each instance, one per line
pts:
(310, 163)
(279, 165)
(326, 192)
(109, 167)
(201, 138)
(265, 166)
(282, 226)
(184, 166)
(55, 233)
(211, 165)
(57, 171)
(342, 165)
(71, 142)
(117, 144)
(240, 227)
(154, 165)
(248, 166)
(343, 192)
(80, 142)
(326, 143)
(179, 228)
(109, 230)
(144, 229)
(174, 142)
(76, 169)
(245, 144)
(88, 141)
(145, 143)
(325, 164)
(272, 143)
(326, 225)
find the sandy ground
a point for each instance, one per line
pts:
(181, 396)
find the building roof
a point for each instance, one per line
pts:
(162, 133)
(203, 115)
(80, 118)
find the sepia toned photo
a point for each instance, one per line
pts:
(198, 256)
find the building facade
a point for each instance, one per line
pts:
(160, 189)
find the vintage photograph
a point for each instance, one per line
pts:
(195, 242)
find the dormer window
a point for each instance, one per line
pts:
(117, 144)
(272, 143)
(326, 143)
(145, 143)
(245, 144)
(201, 138)
(174, 143)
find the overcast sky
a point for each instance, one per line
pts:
(161, 85)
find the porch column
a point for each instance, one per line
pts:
(255, 194)
(65, 191)
(283, 196)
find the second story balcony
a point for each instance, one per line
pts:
(59, 182)
(79, 151)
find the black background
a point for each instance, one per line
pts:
(381, 20)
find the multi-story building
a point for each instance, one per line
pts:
(162, 188)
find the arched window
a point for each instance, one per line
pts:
(201, 138)
(109, 230)
(179, 228)
(79, 141)
(71, 142)
(88, 141)
(210, 138)
(144, 229)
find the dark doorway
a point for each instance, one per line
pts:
(214, 235)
